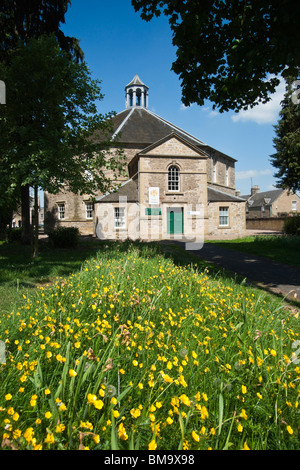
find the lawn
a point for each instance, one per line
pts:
(139, 350)
(284, 249)
(20, 274)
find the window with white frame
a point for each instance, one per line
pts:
(89, 210)
(119, 217)
(61, 210)
(223, 216)
(173, 178)
(294, 206)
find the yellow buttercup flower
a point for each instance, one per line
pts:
(152, 445)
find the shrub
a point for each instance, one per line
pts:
(64, 237)
(14, 235)
(292, 225)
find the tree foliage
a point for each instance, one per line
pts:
(286, 159)
(46, 128)
(230, 52)
(22, 20)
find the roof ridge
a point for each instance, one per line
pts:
(226, 194)
(122, 123)
(176, 127)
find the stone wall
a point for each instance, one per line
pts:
(266, 223)
(237, 221)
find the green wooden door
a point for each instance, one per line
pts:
(175, 220)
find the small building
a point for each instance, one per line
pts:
(176, 186)
(274, 203)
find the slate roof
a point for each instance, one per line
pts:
(263, 198)
(214, 195)
(143, 127)
(128, 189)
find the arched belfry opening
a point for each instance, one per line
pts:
(136, 94)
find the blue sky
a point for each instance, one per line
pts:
(117, 44)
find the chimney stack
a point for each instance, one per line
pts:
(254, 190)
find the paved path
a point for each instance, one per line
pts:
(276, 277)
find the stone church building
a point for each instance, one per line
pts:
(177, 187)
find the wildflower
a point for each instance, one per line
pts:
(50, 438)
(259, 396)
(273, 353)
(91, 398)
(28, 435)
(245, 446)
(289, 430)
(48, 415)
(33, 400)
(195, 436)
(96, 438)
(8, 397)
(135, 413)
(243, 414)
(185, 400)
(152, 445)
(244, 389)
(122, 432)
(240, 428)
(47, 391)
(204, 412)
(113, 401)
(169, 420)
(60, 428)
(72, 373)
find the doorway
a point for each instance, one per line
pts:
(175, 220)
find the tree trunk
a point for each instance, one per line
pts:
(26, 229)
(36, 224)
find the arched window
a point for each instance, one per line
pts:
(130, 98)
(138, 97)
(173, 178)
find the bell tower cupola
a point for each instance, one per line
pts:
(136, 94)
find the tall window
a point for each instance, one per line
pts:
(89, 209)
(173, 178)
(214, 170)
(138, 97)
(130, 98)
(224, 216)
(61, 210)
(119, 217)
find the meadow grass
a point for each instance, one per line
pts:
(281, 248)
(135, 351)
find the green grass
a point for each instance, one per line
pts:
(19, 273)
(138, 350)
(284, 249)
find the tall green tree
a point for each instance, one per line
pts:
(231, 52)
(47, 126)
(21, 21)
(286, 159)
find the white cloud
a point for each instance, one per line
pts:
(183, 107)
(242, 175)
(263, 113)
